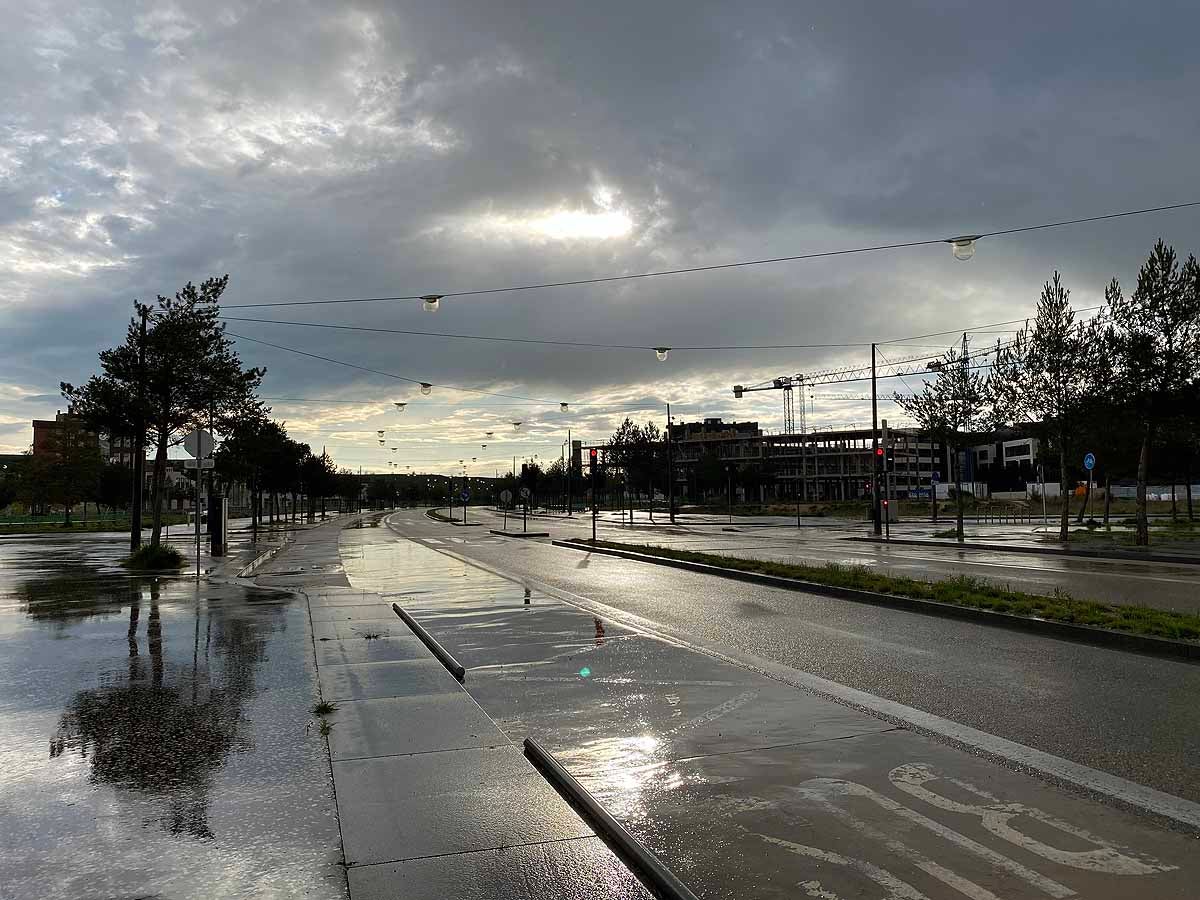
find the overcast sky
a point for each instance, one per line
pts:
(324, 150)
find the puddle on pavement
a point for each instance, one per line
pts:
(155, 737)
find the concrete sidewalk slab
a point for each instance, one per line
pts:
(389, 726)
(406, 807)
(368, 681)
(357, 650)
(362, 629)
(348, 612)
(429, 791)
(579, 869)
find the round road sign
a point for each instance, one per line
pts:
(1089, 461)
(465, 495)
(505, 496)
(524, 492)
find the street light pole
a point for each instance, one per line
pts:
(729, 490)
(874, 447)
(139, 439)
(670, 470)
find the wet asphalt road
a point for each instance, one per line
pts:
(1131, 715)
(155, 735)
(742, 785)
(1160, 585)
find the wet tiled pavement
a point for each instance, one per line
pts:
(156, 736)
(433, 799)
(746, 786)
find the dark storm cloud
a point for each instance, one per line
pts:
(320, 150)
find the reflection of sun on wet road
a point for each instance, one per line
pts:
(154, 735)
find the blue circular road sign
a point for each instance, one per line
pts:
(465, 495)
(1089, 461)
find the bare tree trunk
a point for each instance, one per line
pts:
(1174, 506)
(1187, 472)
(1142, 537)
(958, 491)
(1064, 496)
(157, 489)
(1087, 495)
(1107, 499)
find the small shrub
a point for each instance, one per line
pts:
(324, 708)
(151, 558)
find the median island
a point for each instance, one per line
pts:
(961, 590)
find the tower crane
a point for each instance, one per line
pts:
(787, 384)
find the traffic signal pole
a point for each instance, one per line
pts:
(592, 454)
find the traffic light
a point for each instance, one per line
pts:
(593, 454)
(890, 465)
(878, 453)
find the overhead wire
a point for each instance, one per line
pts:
(548, 342)
(720, 266)
(416, 381)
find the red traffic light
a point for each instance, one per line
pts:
(592, 454)
(885, 503)
(879, 451)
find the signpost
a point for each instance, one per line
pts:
(525, 508)
(933, 484)
(505, 499)
(199, 444)
(465, 496)
(1089, 463)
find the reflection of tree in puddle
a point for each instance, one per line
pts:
(165, 729)
(76, 593)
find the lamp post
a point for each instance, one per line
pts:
(729, 489)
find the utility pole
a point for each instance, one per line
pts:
(877, 510)
(887, 484)
(570, 469)
(139, 439)
(670, 470)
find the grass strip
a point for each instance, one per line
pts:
(962, 590)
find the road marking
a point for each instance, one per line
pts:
(896, 889)
(432, 541)
(716, 712)
(995, 816)
(458, 540)
(822, 789)
(963, 885)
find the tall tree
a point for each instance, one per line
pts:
(1045, 376)
(74, 466)
(190, 375)
(951, 408)
(1154, 349)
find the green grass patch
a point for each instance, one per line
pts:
(56, 526)
(324, 708)
(961, 590)
(149, 558)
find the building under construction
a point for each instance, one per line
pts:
(820, 466)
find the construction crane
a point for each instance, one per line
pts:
(787, 384)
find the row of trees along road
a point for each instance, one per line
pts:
(1125, 384)
(258, 453)
(177, 371)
